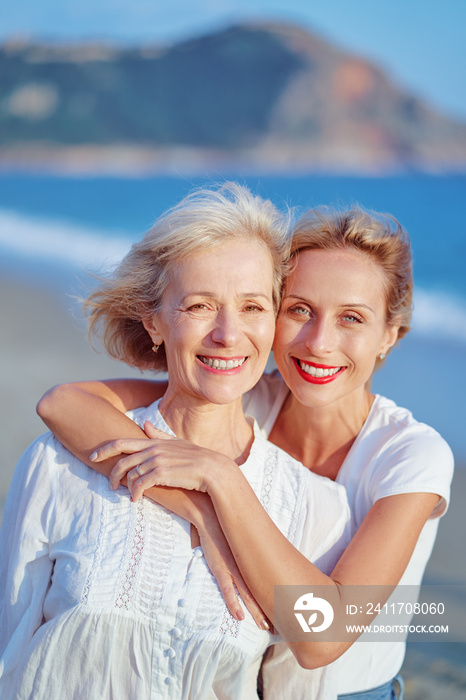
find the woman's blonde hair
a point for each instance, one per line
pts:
(202, 220)
(378, 235)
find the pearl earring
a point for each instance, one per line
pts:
(382, 356)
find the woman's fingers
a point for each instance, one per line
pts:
(139, 480)
(250, 602)
(118, 447)
(223, 567)
(152, 432)
(229, 594)
(129, 445)
(178, 463)
(230, 586)
(168, 460)
(126, 466)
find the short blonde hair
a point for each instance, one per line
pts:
(202, 220)
(378, 235)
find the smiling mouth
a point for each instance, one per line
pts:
(317, 374)
(221, 363)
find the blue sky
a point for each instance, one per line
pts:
(421, 43)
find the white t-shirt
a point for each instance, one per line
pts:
(104, 598)
(393, 454)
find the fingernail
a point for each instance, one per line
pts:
(239, 615)
(265, 625)
(93, 456)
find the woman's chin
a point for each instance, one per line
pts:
(224, 395)
(227, 387)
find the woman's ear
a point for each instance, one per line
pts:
(150, 324)
(390, 338)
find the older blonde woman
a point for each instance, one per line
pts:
(104, 597)
(346, 303)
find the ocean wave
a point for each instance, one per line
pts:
(61, 242)
(439, 314)
(436, 313)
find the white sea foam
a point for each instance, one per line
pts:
(61, 242)
(436, 314)
(439, 314)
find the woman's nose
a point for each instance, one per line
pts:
(227, 329)
(320, 337)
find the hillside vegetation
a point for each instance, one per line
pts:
(261, 96)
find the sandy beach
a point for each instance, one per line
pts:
(42, 343)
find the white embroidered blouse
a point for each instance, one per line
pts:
(105, 598)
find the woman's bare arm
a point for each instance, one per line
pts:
(71, 411)
(85, 415)
(376, 557)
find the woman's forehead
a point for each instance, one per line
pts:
(342, 270)
(238, 264)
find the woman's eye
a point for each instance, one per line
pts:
(299, 311)
(198, 307)
(253, 307)
(352, 318)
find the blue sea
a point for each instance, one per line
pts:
(55, 229)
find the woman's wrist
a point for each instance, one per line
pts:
(199, 509)
(205, 518)
(218, 474)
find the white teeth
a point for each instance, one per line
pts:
(318, 371)
(221, 364)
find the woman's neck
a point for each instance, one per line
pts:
(320, 437)
(222, 428)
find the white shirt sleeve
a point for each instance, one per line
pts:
(25, 566)
(419, 461)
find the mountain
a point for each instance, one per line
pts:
(267, 97)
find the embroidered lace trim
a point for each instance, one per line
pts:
(133, 558)
(96, 562)
(130, 575)
(229, 624)
(270, 467)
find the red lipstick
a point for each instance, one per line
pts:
(317, 380)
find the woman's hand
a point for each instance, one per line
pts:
(163, 460)
(224, 569)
